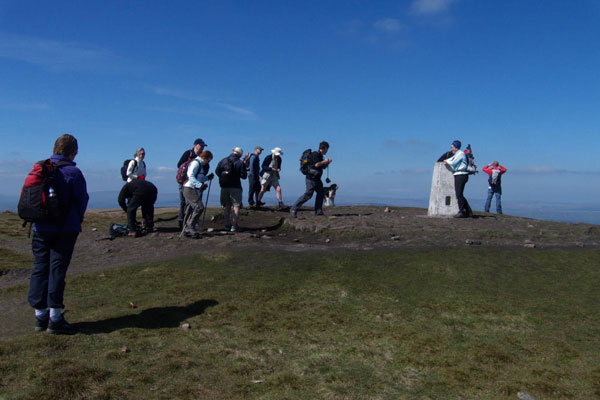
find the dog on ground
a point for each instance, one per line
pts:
(330, 194)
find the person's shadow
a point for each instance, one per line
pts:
(151, 318)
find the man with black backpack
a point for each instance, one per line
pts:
(53, 241)
(183, 162)
(230, 171)
(312, 165)
(495, 172)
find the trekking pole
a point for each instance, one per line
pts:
(205, 207)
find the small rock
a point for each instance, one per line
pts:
(263, 230)
(266, 237)
(212, 218)
(387, 209)
(94, 229)
(579, 244)
(396, 238)
(297, 240)
(253, 235)
(529, 245)
(258, 381)
(170, 237)
(280, 352)
(209, 230)
(528, 241)
(185, 327)
(469, 241)
(125, 349)
(525, 396)
(327, 240)
(102, 276)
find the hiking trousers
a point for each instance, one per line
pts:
(147, 205)
(494, 191)
(193, 199)
(181, 206)
(459, 187)
(253, 189)
(312, 186)
(52, 253)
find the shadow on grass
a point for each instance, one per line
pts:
(152, 318)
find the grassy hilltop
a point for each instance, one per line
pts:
(362, 304)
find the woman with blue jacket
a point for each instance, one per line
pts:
(458, 164)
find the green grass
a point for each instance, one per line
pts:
(12, 260)
(476, 323)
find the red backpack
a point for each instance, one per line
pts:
(39, 200)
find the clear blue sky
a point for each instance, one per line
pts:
(388, 83)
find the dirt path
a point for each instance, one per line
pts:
(359, 228)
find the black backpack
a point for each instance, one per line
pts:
(39, 200)
(227, 176)
(304, 161)
(471, 166)
(124, 168)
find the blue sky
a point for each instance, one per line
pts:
(388, 83)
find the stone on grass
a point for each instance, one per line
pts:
(125, 349)
(396, 237)
(327, 240)
(525, 396)
(209, 230)
(186, 327)
(529, 245)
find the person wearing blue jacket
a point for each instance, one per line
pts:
(53, 244)
(254, 177)
(458, 164)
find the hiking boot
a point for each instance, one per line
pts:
(260, 204)
(319, 212)
(61, 327)
(293, 213)
(236, 228)
(41, 324)
(281, 205)
(191, 232)
(227, 228)
(251, 204)
(460, 215)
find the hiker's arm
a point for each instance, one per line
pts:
(266, 165)
(243, 172)
(487, 169)
(194, 176)
(130, 169)
(502, 169)
(182, 159)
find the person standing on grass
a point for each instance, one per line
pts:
(193, 188)
(187, 155)
(271, 167)
(495, 172)
(316, 165)
(53, 244)
(458, 164)
(135, 194)
(137, 167)
(230, 171)
(254, 177)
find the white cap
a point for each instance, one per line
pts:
(238, 151)
(277, 151)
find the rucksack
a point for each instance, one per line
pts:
(39, 200)
(494, 176)
(125, 166)
(227, 172)
(471, 166)
(304, 161)
(246, 161)
(116, 230)
(182, 172)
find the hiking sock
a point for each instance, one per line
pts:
(41, 314)
(55, 314)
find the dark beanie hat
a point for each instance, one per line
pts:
(457, 144)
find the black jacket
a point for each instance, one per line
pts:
(267, 162)
(238, 172)
(144, 191)
(314, 172)
(188, 154)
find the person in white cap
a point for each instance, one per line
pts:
(230, 171)
(271, 167)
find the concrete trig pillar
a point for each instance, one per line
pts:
(442, 201)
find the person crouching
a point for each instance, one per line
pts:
(135, 194)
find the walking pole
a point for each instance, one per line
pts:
(205, 207)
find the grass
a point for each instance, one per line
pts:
(13, 260)
(476, 323)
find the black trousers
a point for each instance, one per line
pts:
(311, 187)
(147, 205)
(459, 187)
(253, 188)
(52, 253)
(181, 206)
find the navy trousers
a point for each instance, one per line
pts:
(253, 188)
(312, 186)
(52, 253)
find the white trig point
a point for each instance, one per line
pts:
(442, 201)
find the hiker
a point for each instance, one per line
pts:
(458, 164)
(137, 167)
(316, 165)
(271, 167)
(495, 172)
(133, 195)
(53, 243)
(193, 188)
(187, 155)
(230, 171)
(254, 177)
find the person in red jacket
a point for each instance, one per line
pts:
(495, 172)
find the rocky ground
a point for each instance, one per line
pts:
(356, 228)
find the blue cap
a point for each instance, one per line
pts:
(200, 142)
(457, 144)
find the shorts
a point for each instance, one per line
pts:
(231, 197)
(271, 180)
